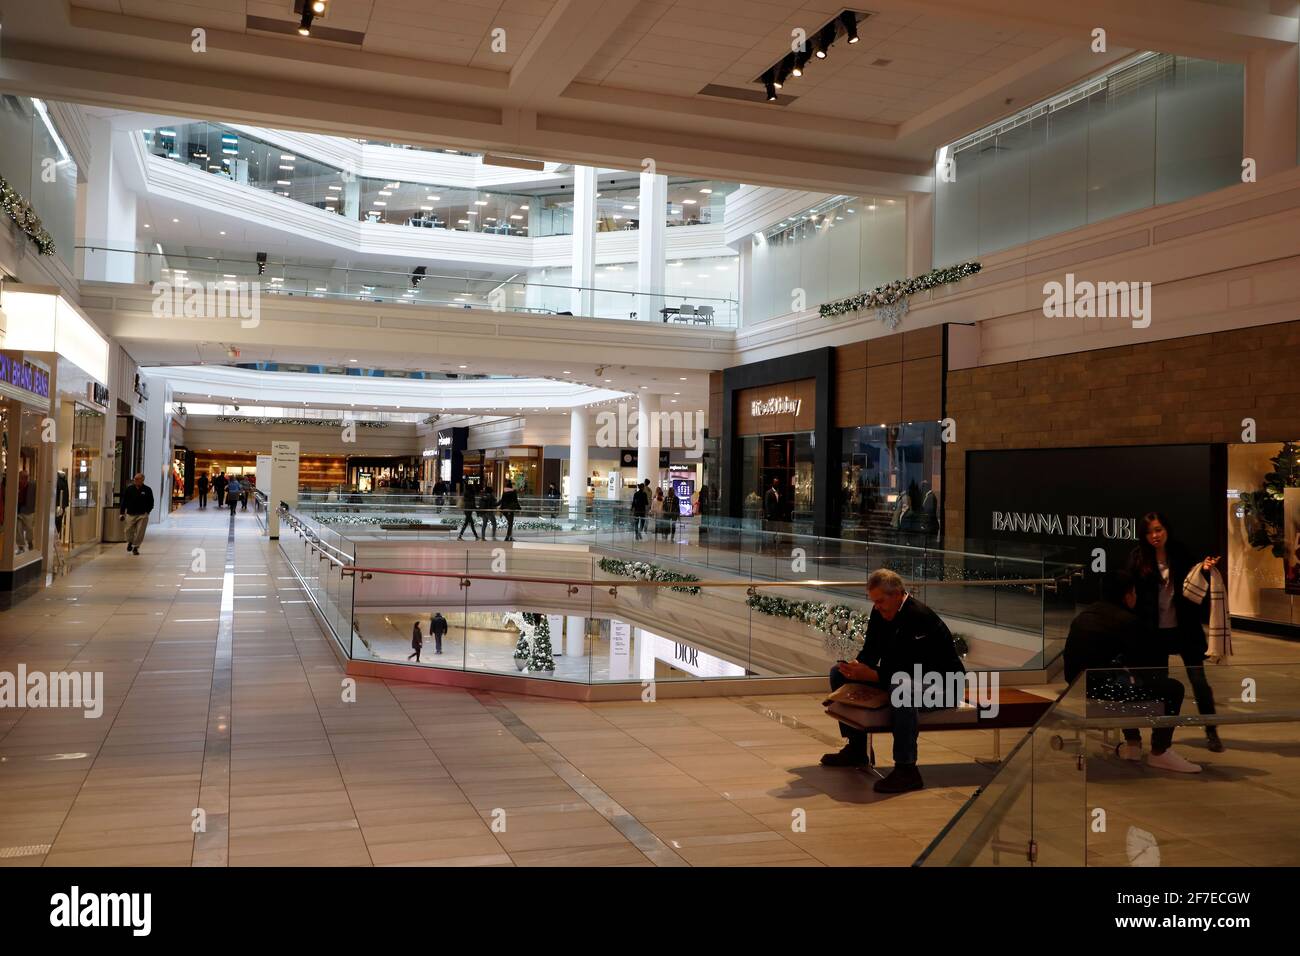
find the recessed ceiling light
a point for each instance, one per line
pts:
(683, 378)
(223, 232)
(147, 226)
(175, 220)
(706, 191)
(352, 360)
(464, 366)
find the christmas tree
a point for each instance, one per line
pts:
(1263, 509)
(541, 659)
(521, 646)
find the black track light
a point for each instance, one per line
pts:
(824, 40)
(800, 61)
(261, 263)
(308, 15)
(769, 84)
(783, 71)
(849, 20)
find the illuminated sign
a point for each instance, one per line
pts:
(20, 373)
(783, 405)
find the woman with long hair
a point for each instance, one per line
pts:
(1159, 565)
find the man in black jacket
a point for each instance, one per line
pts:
(437, 627)
(1105, 638)
(509, 505)
(640, 505)
(902, 634)
(137, 503)
(467, 501)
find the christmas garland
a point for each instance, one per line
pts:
(643, 571)
(884, 296)
(843, 628)
(21, 212)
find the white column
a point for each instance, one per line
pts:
(110, 209)
(575, 636)
(352, 199)
(651, 248)
(584, 238)
(648, 440)
(578, 442)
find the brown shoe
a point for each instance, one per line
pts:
(848, 757)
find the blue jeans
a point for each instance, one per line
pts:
(904, 720)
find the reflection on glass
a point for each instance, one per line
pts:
(890, 478)
(29, 538)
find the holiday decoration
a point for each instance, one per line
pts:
(522, 651)
(1264, 509)
(890, 300)
(643, 571)
(541, 659)
(21, 212)
(843, 628)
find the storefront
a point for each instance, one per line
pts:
(79, 459)
(25, 501)
(1263, 522)
(445, 462)
(841, 442)
(522, 466)
(392, 473)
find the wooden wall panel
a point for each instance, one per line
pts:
(884, 394)
(850, 398)
(884, 351)
(849, 357)
(923, 389)
(923, 343)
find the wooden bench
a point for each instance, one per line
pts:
(1016, 709)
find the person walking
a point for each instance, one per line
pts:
(137, 503)
(417, 642)
(245, 489)
(509, 506)
(1159, 565)
(487, 511)
(657, 514)
(219, 486)
(672, 512)
(232, 494)
(203, 492)
(640, 505)
(437, 627)
(467, 505)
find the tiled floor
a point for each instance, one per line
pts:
(243, 716)
(287, 772)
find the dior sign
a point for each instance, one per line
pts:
(776, 406)
(1076, 526)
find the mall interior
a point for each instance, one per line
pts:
(566, 271)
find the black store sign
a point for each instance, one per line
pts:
(1068, 501)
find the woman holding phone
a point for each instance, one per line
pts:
(1159, 565)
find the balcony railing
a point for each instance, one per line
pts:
(288, 277)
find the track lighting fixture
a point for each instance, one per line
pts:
(800, 61)
(824, 40)
(849, 20)
(769, 84)
(261, 263)
(304, 26)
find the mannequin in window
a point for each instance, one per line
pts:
(61, 498)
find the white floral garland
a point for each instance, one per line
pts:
(643, 571)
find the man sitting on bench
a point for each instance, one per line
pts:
(902, 634)
(1104, 638)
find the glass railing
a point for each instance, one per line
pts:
(1007, 614)
(414, 287)
(1072, 794)
(254, 162)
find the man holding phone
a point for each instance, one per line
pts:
(902, 633)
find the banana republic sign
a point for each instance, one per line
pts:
(1074, 526)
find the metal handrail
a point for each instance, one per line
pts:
(637, 582)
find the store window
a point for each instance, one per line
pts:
(29, 535)
(1264, 531)
(783, 463)
(890, 483)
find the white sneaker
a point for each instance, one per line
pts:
(1171, 760)
(1129, 751)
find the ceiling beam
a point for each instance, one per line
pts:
(572, 33)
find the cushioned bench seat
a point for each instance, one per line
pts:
(1016, 708)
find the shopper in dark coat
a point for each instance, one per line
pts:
(438, 628)
(203, 491)
(219, 486)
(487, 511)
(467, 505)
(1159, 565)
(640, 505)
(417, 642)
(509, 506)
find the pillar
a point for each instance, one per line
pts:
(1271, 109)
(648, 440)
(110, 209)
(575, 643)
(651, 247)
(578, 442)
(920, 233)
(584, 239)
